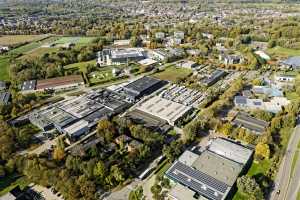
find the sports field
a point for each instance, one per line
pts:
(75, 40)
(8, 40)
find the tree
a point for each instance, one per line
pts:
(2, 171)
(248, 186)
(106, 129)
(173, 150)
(100, 171)
(87, 188)
(58, 154)
(226, 129)
(137, 194)
(117, 173)
(193, 129)
(262, 150)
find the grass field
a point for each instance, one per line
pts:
(259, 168)
(81, 65)
(8, 40)
(173, 73)
(4, 68)
(283, 52)
(75, 40)
(25, 49)
(38, 52)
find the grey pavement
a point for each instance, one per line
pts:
(282, 181)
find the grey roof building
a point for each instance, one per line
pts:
(214, 77)
(230, 150)
(29, 86)
(210, 175)
(2, 85)
(292, 62)
(143, 86)
(5, 97)
(246, 121)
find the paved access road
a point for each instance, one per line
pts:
(283, 182)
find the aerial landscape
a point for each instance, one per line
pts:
(149, 100)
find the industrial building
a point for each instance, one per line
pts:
(246, 121)
(141, 87)
(149, 121)
(183, 95)
(210, 175)
(60, 83)
(52, 84)
(165, 109)
(214, 77)
(120, 56)
(77, 116)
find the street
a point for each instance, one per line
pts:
(283, 182)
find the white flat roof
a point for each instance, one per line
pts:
(147, 61)
(164, 109)
(231, 150)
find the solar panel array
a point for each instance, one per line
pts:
(198, 181)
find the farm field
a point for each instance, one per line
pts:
(4, 68)
(31, 46)
(283, 52)
(173, 73)
(9, 40)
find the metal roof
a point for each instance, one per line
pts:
(230, 150)
(251, 123)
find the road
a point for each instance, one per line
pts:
(46, 145)
(282, 181)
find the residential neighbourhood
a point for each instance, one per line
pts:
(149, 100)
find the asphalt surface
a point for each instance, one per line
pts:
(283, 181)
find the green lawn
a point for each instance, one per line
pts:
(8, 183)
(4, 68)
(295, 159)
(255, 169)
(259, 167)
(285, 134)
(173, 73)
(283, 52)
(239, 196)
(163, 167)
(81, 65)
(298, 195)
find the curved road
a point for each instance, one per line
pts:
(283, 181)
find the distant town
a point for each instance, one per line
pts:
(149, 100)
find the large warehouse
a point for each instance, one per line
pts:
(210, 175)
(120, 56)
(76, 116)
(165, 109)
(143, 86)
